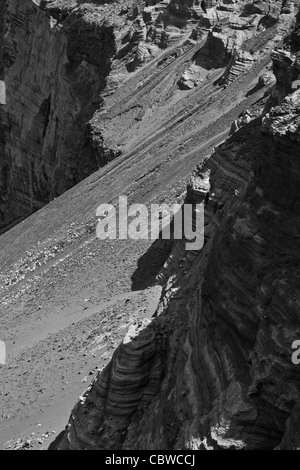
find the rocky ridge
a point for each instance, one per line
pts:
(63, 60)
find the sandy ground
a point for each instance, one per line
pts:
(52, 369)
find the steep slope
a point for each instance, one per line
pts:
(52, 262)
(63, 60)
(67, 299)
(217, 371)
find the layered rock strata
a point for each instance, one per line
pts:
(228, 316)
(61, 60)
(54, 73)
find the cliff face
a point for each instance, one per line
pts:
(84, 83)
(54, 74)
(63, 60)
(217, 370)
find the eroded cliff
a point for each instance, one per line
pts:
(157, 85)
(64, 112)
(212, 369)
(54, 74)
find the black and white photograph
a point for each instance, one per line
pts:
(150, 228)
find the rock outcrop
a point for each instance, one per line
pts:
(237, 35)
(124, 387)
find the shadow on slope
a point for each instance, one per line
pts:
(150, 264)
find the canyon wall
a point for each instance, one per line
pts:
(82, 83)
(62, 61)
(212, 369)
(54, 74)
